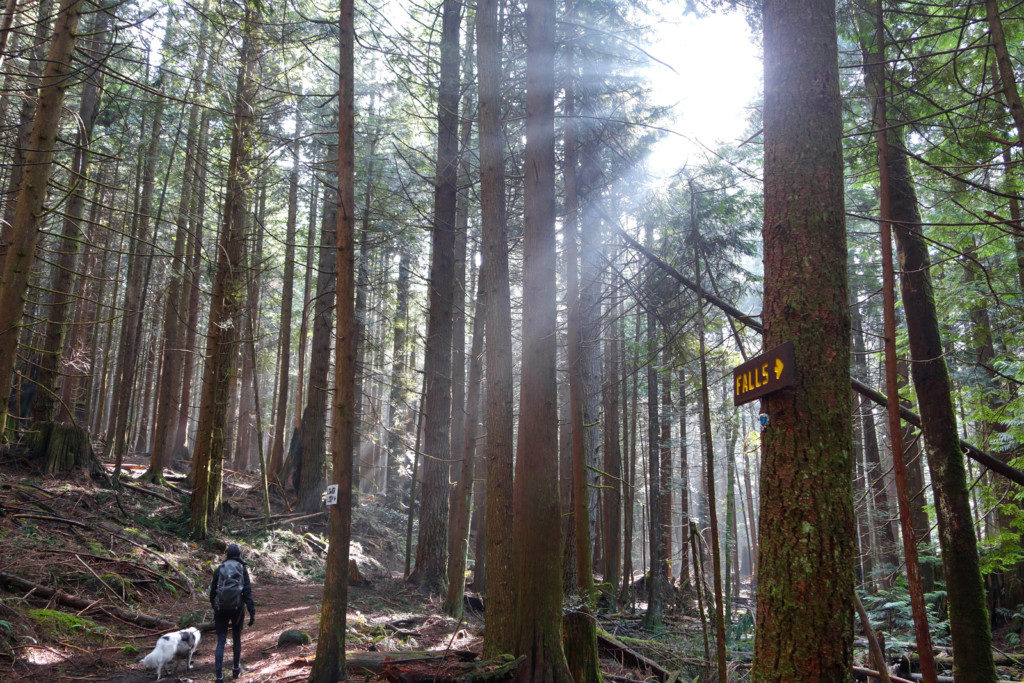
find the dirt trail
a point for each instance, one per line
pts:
(280, 607)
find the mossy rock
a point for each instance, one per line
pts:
(55, 623)
(293, 636)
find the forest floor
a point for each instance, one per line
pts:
(128, 553)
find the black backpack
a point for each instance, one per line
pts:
(229, 587)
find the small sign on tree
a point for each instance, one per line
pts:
(769, 372)
(331, 498)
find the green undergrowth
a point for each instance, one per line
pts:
(122, 586)
(283, 551)
(57, 624)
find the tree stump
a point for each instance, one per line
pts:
(62, 448)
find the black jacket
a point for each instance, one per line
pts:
(246, 587)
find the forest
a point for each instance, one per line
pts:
(512, 340)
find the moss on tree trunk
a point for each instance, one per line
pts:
(806, 558)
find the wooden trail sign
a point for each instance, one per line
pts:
(763, 375)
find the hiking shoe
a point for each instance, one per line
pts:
(236, 672)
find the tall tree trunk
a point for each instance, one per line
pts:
(1010, 94)
(190, 294)
(246, 436)
(142, 434)
(969, 624)
(27, 116)
(362, 283)
(665, 461)
(612, 465)
(432, 543)
(75, 405)
(536, 550)
(10, 8)
(914, 455)
(805, 560)
(732, 569)
(138, 275)
(17, 264)
(168, 407)
(881, 522)
(309, 458)
(500, 578)
(656, 584)
(464, 491)
(46, 402)
(229, 292)
(329, 665)
(461, 298)
(709, 466)
(307, 283)
(287, 294)
(684, 485)
(629, 437)
(968, 616)
(584, 364)
(398, 396)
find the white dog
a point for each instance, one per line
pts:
(169, 647)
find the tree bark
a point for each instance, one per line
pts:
(399, 394)
(307, 288)
(806, 557)
(329, 664)
(432, 544)
(464, 491)
(134, 301)
(287, 295)
(665, 462)
(584, 364)
(309, 458)
(968, 616)
(612, 465)
(229, 293)
(27, 116)
(17, 264)
(657, 580)
(536, 550)
(190, 294)
(499, 632)
(168, 407)
(709, 469)
(684, 486)
(46, 402)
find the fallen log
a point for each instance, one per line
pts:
(871, 674)
(112, 532)
(499, 669)
(375, 662)
(16, 583)
(154, 494)
(630, 657)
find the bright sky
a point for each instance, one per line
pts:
(711, 74)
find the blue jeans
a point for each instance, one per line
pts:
(221, 620)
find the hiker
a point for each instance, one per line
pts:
(230, 595)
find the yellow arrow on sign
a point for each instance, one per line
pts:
(778, 368)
